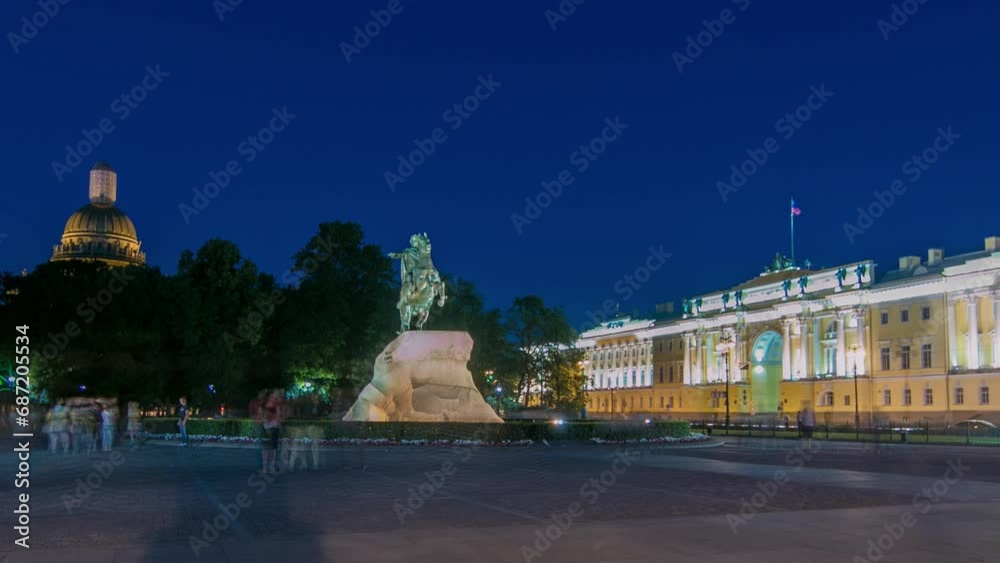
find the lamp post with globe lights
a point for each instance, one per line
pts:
(725, 348)
(854, 355)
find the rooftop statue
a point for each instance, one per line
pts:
(420, 283)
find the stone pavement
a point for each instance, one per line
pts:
(490, 504)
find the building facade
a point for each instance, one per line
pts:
(920, 344)
(100, 231)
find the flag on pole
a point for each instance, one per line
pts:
(795, 209)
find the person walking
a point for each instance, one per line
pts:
(271, 414)
(50, 417)
(134, 421)
(109, 420)
(808, 425)
(183, 414)
(60, 426)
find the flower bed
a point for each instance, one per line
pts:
(335, 432)
(249, 440)
(691, 438)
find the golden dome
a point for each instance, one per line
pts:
(94, 219)
(99, 230)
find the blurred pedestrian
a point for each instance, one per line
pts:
(134, 421)
(60, 426)
(109, 420)
(808, 425)
(183, 414)
(50, 417)
(271, 414)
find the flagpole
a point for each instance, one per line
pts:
(791, 214)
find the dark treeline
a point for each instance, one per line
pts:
(219, 330)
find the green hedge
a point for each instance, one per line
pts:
(510, 431)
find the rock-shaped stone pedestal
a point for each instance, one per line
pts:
(422, 376)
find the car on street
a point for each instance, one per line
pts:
(976, 424)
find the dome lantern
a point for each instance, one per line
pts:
(103, 184)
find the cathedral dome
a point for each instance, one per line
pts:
(108, 221)
(99, 230)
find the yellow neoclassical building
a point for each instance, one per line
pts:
(918, 344)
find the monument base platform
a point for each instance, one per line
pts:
(422, 376)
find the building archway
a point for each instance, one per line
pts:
(765, 371)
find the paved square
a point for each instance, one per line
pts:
(750, 500)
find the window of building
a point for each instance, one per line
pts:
(659, 346)
(831, 330)
(984, 395)
(925, 313)
(847, 400)
(670, 373)
(959, 396)
(634, 379)
(904, 357)
(928, 397)
(670, 346)
(926, 356)
(671, 402)
(887, 397)
(661, 401)
(831, 359)
(826, 399)
(885, 355)
(904, 315)
(661, 374)
(884, 317)
(718, 399)
(907, 397)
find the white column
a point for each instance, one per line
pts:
(649, 363)
(687, 359)
(711, 359)
(734, 357)
(786, 350)
(697, 360)
(841, 345)
(972, 350)
(817, 354)
(952, 335)
(860, 340)
(996, 331)
(804, 346)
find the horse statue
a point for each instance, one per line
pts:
(420, 281)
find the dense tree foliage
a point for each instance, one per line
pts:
(219, 329)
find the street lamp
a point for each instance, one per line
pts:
(853, 354)
(725, 347)
(499, 395)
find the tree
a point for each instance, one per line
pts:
(534, 329)
(340, 314)
(564, 380)
(219, 323)
(92, 327)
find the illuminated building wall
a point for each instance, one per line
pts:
(923, 341)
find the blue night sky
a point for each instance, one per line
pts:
(655, 185)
